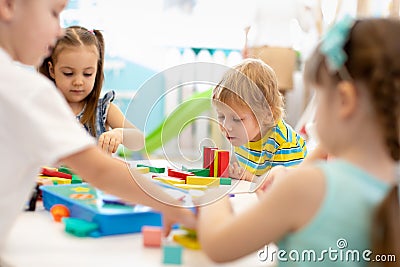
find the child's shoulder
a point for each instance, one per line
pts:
(282, 131)
(24, 81)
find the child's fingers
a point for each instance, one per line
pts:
(113, 145)
(167, 225)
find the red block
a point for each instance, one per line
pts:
(223, 163)
(179, 174)
(208, 159)
(53, 173)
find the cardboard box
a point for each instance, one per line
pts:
(281, 59)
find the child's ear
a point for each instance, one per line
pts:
(348, 98)
(7, 8)
(51, 69)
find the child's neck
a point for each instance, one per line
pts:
(77, 107)
(374, 160)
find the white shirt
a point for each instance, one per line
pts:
(37, 128)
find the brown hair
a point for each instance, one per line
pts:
(373, 51)
(76, 36)
(252, 84)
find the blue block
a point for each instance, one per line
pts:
(172, 254)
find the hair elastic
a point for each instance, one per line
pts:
(332, 45)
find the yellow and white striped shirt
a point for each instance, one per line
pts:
(280, 146)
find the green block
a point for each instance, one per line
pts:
(78, 227)
(172, 254)
(225, 181)
(197, 172)
(65, 169)
(200, 172)
(152, 169)
(76, 179)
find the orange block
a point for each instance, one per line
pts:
(59, 211)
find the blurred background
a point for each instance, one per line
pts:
(146, 38)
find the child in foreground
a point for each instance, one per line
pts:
(76, 66)
(42, 130)
(250, 112)
(351, 202)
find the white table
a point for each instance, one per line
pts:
(36, 240)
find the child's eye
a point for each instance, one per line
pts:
(87, 74)
(221, 117)
(67, 73)
(237, 119)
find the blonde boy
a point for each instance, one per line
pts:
(250, 112)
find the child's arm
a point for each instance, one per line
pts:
(289, 206)
(122, 132)
(114, 177)
(318, 153)
(278, 171)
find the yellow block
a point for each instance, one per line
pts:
(191, 186)
(197, 180)
(169, 180)
(59, 180)
(142, 169)
(187, 242)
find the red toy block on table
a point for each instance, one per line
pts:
(53, 173)
(179, 174)
(208, 157)
(222, 160)
(152, 236)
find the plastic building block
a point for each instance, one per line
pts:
(187, 241)
(225, 181)
(221, 163)
(152, 169)
(65, 170)
(172, 254)
(208, 157)
(179, 174)
(76, 179)
(53, 173)
(200, 172)
(169, 180)
(189, 232)
(79, 227)
(198, 180)
(142, 169)
(59, 180)
(59, 211)
(152, 236)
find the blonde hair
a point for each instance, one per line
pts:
(252, 84)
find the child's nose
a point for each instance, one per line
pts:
(227, 125)
(78, 82)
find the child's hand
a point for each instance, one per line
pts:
(110, 140)
(185, 217)
(237, 172)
